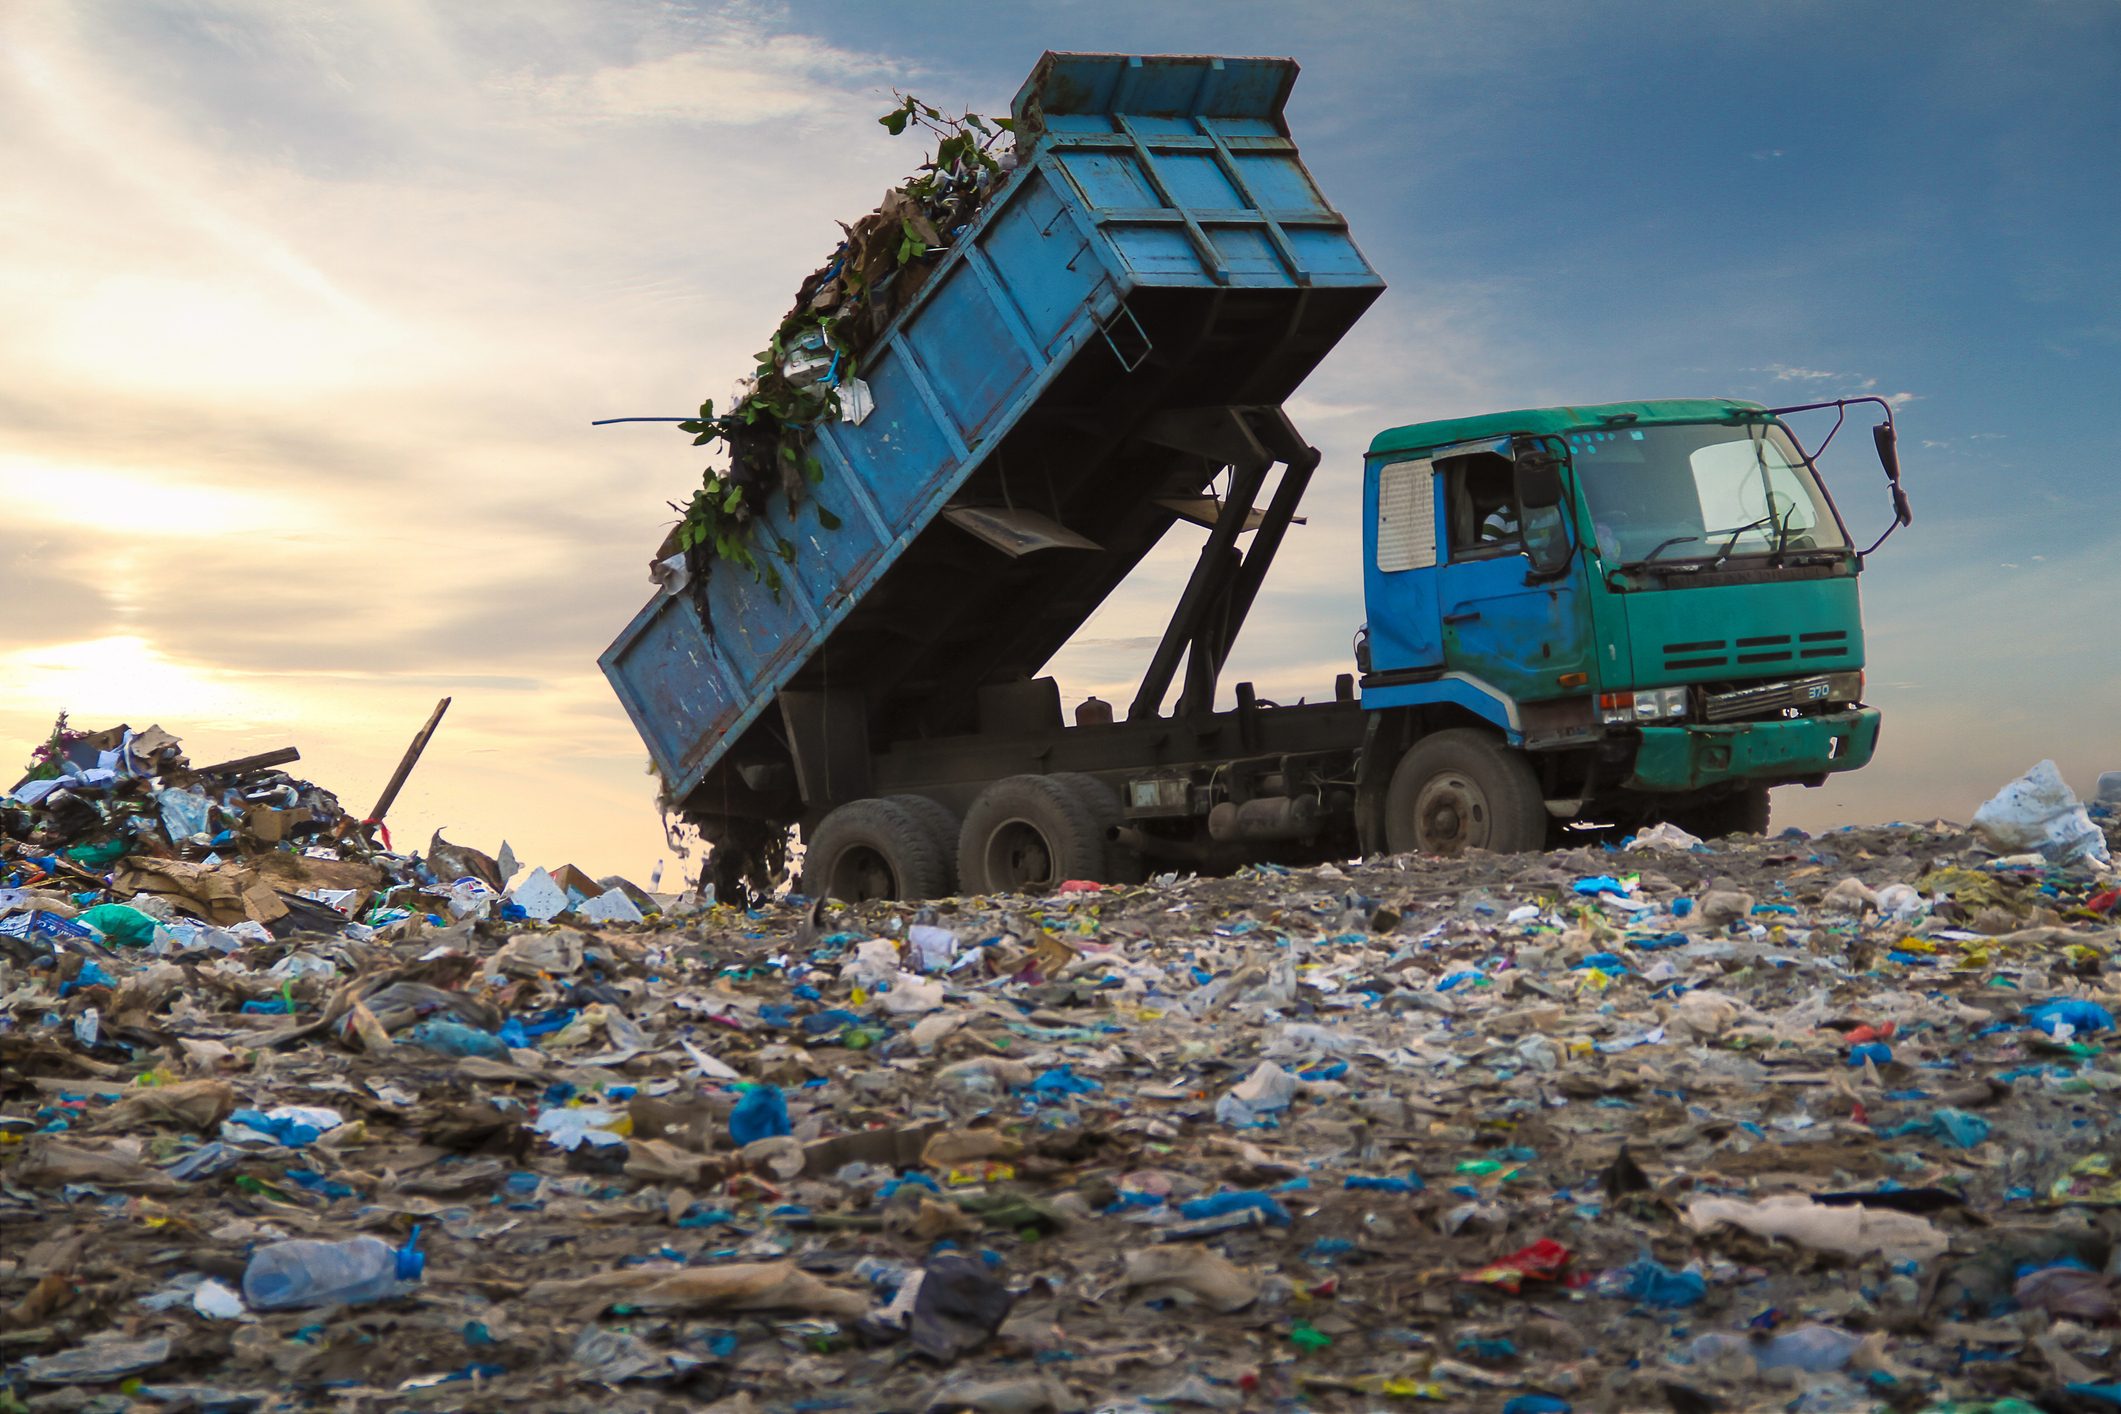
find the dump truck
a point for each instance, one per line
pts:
(1576, 617)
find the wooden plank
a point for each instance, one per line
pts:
(411, 759)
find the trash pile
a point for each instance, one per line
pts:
(113, 837)
(1821, 1123)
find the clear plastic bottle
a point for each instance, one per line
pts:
(1812, 1348)
(287, 1276)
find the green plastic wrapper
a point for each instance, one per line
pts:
(126, 927)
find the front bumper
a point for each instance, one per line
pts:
(1691, 757)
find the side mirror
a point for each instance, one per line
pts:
(1543, 499)
(1539, 480)
(1889, 458)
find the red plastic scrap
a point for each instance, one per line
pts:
(2104, 902)
(1544, 1260)
(1872, 1033)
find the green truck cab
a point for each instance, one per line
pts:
(1632, 611)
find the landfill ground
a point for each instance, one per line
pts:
(1820, 1123)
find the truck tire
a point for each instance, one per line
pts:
(1745, 812)
(874, 849)
(1464, 789)
(1120, 866)
(941, 824)
(1029, 834)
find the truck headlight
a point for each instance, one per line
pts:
(1660, 704)
(1844, 687)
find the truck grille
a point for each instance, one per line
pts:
(1756, 652)
(1767, 697)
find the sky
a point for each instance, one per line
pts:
(307, 309)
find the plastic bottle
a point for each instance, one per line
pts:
(1812, 1348)
(454, 1038)
(286, 1276)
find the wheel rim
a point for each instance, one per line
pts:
(1451, 814)
(861, 874)
(1018, 856)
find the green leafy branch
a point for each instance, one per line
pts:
(838, 311)
(965, 160)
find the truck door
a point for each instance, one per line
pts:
(1494, 626)
(1399, 574)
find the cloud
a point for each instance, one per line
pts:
(739, 78)
(309, 312)
(1785, 373)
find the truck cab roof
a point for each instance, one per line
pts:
(1419, 437)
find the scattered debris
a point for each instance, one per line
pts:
(1549, 1132)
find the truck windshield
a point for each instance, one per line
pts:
(1697, 491)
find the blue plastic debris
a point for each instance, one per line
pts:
(1218, 1205)
(762, 1113)
(1874, 1052)
(1955, 1127)
(821, 1023)
(1537, 1404)
(289, 1131)
(1062, 1080)
(1648, 1282)
(454, 1038)
(1410, 1184)
(1600, 884)
(2081, 1017)
(2104, 1393)
(315, 1182)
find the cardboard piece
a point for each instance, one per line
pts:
(221, 894)
(579, 886)
(611, 906)
(539, 896)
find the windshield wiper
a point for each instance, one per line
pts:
(1782, 529)
(1732, 543)
(1662, 546)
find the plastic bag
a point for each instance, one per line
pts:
(2039, 813)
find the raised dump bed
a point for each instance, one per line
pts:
(1159, 252)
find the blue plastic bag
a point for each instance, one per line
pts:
(2081, 1017)
(761, 1114)
(1217, 1205)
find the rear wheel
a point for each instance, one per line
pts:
(1120, 866)
(941, 824)
(1744, 812)
(1464, 789)
(876, 849)
(1029, 834)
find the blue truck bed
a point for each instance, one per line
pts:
(1160, 247)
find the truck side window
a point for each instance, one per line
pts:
(1406, 516)
(1483, 504)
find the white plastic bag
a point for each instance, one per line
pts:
(1267, 1089)
(2039, 812)
(1663, 835)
